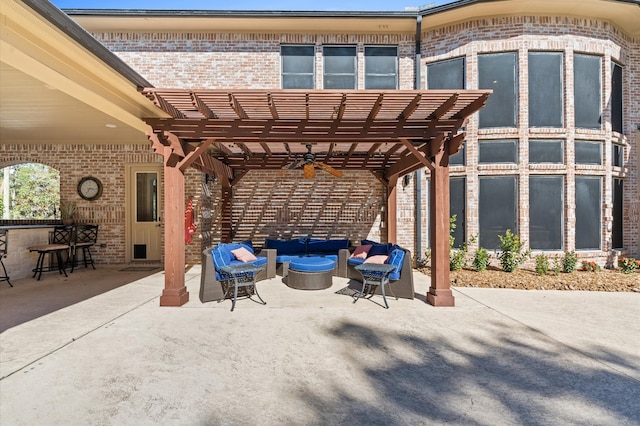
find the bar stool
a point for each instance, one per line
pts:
(59, 242)
(84, 237)
(4, 244)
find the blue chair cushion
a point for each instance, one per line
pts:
(380, 249)
(355, 261)
(396, 257)
(312, 264)
(222, 256)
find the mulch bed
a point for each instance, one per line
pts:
(611, 280)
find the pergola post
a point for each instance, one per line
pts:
(175, 292)
(392, 211)
(440, 291)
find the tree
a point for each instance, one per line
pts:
(34, 191)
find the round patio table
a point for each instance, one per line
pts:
(311, 273)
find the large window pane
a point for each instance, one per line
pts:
(587, 92)
(459, 158)
(588, 152)
(447, 74)
(588, 212)
(545, 89)
(497, 209)
(380, 67)
(617, 155)
(616, 98)
(298, 69)
(498, 72)
(339, 67)
(498, 151)
(546, 151)
(546, 204)
(457, 201)
(616, 229)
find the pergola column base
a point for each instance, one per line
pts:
(440, 297)
(174, 296)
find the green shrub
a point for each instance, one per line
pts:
(542, 264)
(424, 260)
(457, 257)
(569, 262)
(511, 251)
(481, 259)
(556, 266)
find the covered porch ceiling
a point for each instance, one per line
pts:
(387, 132)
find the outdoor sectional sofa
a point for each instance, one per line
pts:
(213, 258)
(291, 250)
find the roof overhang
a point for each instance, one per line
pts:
(625, 14)
(59, 85)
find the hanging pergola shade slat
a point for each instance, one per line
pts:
(389, 133)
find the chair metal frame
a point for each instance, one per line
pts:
(4, 247)
(84, 237)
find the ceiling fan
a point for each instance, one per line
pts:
(309, 164)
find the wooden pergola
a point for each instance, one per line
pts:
(230, 132)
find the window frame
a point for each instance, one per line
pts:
(486, 142)
(492, 241)
(539, 97)
(396, 74)
(559, 224)
(497, 98)
(324, 66)
(580, 96)
(581, 210)
(547, 141)
(447, 86)
(598, 143)
(617, 98)
(283, 74)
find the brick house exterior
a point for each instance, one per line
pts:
(280, 205)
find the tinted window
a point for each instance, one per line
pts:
(617, 155)
(546, 204)
(498, 72)
(457, 200)
(545, 89)
(587, 92)
(588, 212)
(298, 67)
(616, 98)
(588, 152)
(498, 151)
(616, 229)
(339, 67)
(380, 67)
(497, 209)
(446, 74)
(546, 151)
(458, 159)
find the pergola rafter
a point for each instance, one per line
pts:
(389, 133)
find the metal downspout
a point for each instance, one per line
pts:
(418, 175)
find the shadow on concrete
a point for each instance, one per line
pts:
(29, 299)
(509, 376)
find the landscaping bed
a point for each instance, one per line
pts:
(526, 279)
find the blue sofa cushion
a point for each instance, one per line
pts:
(293, 257)
(326, 246)
(380, 249)
(296, 246)
(355, 261)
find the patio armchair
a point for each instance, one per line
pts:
(212, 279)
(401, 280)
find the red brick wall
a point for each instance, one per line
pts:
(107, 163)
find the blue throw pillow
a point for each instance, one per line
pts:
(286, 246)
(326, 246)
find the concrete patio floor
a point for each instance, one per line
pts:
(97, 349)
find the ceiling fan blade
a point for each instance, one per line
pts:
(309, 171)
(328, 168)
(293, 165)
